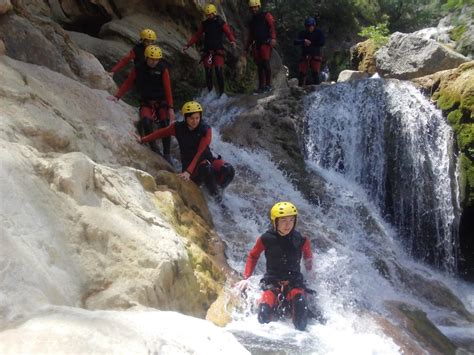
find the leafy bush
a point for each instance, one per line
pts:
(377, 33)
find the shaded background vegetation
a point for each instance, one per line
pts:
(343, 20)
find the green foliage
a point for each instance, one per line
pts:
(456, 4)
(457, 32)
(454, 117)
(377, 33)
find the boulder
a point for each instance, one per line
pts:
(350, 75)
(5, 6)
(272, 123)
(408, 56)
(49, 46)
(416, 323)
(363, 56)
(63, 330)
(17, 31)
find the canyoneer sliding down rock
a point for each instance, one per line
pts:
(213, 30)
(284, 289)
(198, 163)
(262, 39)
(152, 81)
(137, 53)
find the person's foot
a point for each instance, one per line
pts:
(168, 159)
(267, 88)
(259, 91)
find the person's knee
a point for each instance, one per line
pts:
(265, 313)
(227, 173)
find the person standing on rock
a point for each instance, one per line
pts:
(194, 137)
(262, 39)
(283, 283)
(137, 53)
(152, 80)
(311, 40)
(213, 30)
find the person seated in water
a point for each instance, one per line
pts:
(284, 247)
(194, 137)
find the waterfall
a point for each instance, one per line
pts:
(357, 253)
(386, 137)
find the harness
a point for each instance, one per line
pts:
(282, 305)
(210, 55)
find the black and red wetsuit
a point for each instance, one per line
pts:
(311, 56)
(283, 257)
(137, 54)
(213, 30)
(154, 88)
(196, 156)
(261, 32)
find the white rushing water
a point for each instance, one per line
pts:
(348, 280)
(386, 137)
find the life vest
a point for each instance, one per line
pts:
(149, 82)
(139, 51)
(213, 33)
(317, 41)
(283, 254)
(259, 28)
(189, 140)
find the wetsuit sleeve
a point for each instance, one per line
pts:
(167, 86)
(160, 133)
(307, 254)
(271, 25)
(124, 61)
(203, 144)
(196, 37)
(127, 84)
(252, 258)
(228, 32)
(299, 40)
(321, 38)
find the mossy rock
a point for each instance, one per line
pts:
(456, 33)
(455, 96)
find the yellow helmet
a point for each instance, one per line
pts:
(254, 3)
(191, 107)
(282, 209)
(148, 34)
(210, 9)
(153, 52)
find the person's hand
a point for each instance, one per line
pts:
(234, 45)
(113, 98)
(242, 285)
(171, 115)
(307, 42)
(273, 43)
(185, 175)
(184, 49)
(136, 137)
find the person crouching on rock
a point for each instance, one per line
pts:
(152, 80)
(283, 283)
(194, 137)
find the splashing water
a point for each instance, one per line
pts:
(351, 291)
